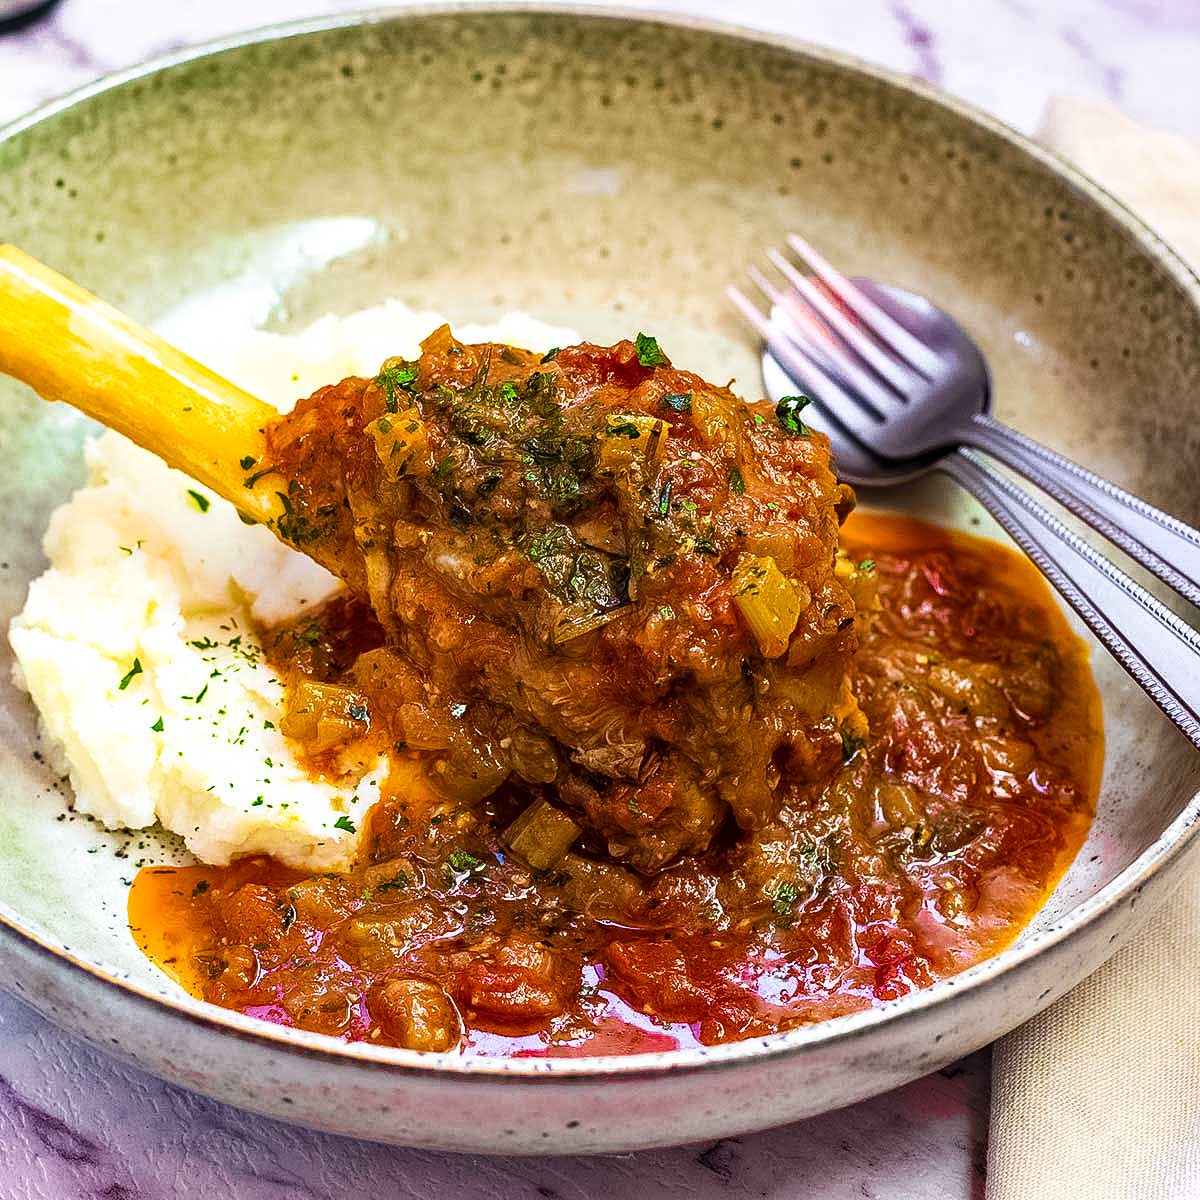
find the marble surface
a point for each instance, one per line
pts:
(1006, 56)
(75, 1123)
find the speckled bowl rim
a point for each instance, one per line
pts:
(1175, 839)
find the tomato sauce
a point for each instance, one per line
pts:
(933, 843)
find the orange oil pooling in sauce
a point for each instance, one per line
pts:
(928, 850)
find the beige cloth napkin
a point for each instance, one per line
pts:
(1099, 1097)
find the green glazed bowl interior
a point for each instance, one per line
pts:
(613, 174)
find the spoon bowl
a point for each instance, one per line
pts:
(898, 376)
(901, 391)
(965, 389)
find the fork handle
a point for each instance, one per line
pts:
(1159, 650)
(1164, 545)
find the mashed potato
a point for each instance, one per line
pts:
(138, 645)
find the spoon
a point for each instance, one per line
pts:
(1160, 651)
(902, 376)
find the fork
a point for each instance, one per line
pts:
(904, 391)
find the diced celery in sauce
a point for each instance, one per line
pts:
(401, 443)
(541, 835)
(767, 600)
(324, 715)
(629, 437)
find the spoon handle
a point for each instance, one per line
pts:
(1164, 545)
(1159, 650)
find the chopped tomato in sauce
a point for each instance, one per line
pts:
(927, 849)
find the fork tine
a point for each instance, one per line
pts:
(751, 313)
(893, 370)
(797, 313)
(795, 320)
(805, 371)
(886, 328)
(823, 347)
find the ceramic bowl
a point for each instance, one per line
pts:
(610, 173)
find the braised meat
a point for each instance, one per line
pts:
(593, 573)
(925, 851)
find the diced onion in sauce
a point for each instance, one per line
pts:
(377, 563)
(324, 715)
(629, 437)
(401, 444)
(710, 419)
(541, 835)
(533, 757)
(418, 1014)
(768, 602)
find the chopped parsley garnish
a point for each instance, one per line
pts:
(294, 527)
(310, 635)
(852, 745)
(786, 895)
(397, 883)
(201, 693)
(461, 860)
(248, 462)
(393, 380)
(550, 354)
(680, 402)
(706, 545)
(788, 412)
(136, 669)
(867, 564)
(251, 480)
(625, 429)
(549, 543)
(737, 484)
(648, 352)
(201, 502)
(664, 499)
(158, 725)
(200, 888)
(344, 822)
